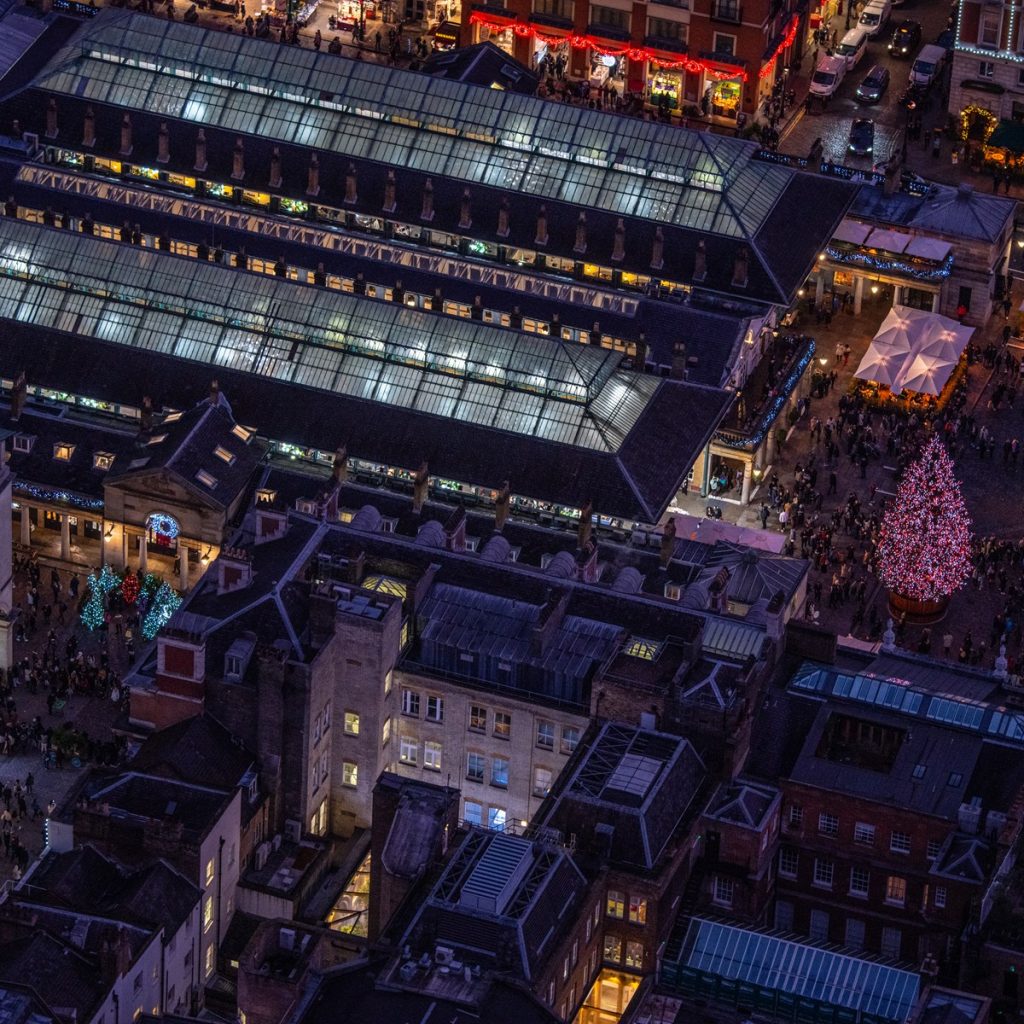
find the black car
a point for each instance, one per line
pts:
(875, 83)
(906, 39)
(862, 137)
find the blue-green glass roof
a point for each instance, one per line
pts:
(779, 964)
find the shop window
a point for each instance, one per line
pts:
(725, 44)
(609, 17)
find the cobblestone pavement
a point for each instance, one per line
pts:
(993, 491)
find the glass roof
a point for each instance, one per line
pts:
(785, 966)
(624, 166)
(561, 391)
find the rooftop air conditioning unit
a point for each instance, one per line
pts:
(444, 955)
(293, 830)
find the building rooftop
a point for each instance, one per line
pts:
(695, 183)
(742, 802)
(627, 793)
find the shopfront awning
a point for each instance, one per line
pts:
(1008, 135)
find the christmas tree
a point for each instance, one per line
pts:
(92, 611)
(108, 579)
(130, 588)
(161, 608)
(924, 545)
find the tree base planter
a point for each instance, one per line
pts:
(917, 611)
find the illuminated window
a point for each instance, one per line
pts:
(23, 443)
(157, 439)
(63, 451)
(265, 496)
(349, 773)
(496, 818)
(385, 732)
(211, 961)
(102, 460)
(208, 913)
(351, 723)
(206, 479)
(223, 454)
(616, 905)
(210, 871)
(613, 948)
(477, 718)
(408, 750)
(896, 890)
(499, 772)
(635, 952)
(241, 433)
(502, 725)
(638, 647)
(172, 417)
(432, 756)
(637, 910)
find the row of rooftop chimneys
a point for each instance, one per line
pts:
(390, 205)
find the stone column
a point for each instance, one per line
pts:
(183, 570)
(858, 293)
(747, 476)
(26, 527)
(65, 537)
(143, 553)
(935, 302)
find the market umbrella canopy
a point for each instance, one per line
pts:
(926, 374)
(880, 365)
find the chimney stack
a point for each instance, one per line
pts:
(214, 392)
(89, 130)
(668, 543)
(501, 506)
(51, 119)
(465, 213)
(640, 356)
(163, 144)
(503, 223)
(19, 393)
(678, 371)
(700, 262)
(234, 570)
(340, 470)
(420, 483)
(313, 177)
(351, 186)
(427, 208)
(238, 161)
(542, 227)
(126, 135)
(658, 250)
(740, 266)
(200, 164)
(581, 235)
(586, 525)
(619, 249)
(275, 168)
(390, 193)
(146, 415)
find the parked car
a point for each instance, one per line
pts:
(852, 47)
(862, 137)
(875, 17)
(827, 76)
(906, 39)
(928, 65)
(874, 86)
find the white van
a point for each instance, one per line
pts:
(875, 17)
(852, 47)
(827, 76)
(927, 65)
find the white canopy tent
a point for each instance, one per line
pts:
(914, 350)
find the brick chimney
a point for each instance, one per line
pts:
(146, 415)
(740, 267)
(390, 193)
(678, 371)
(313, 176)
(501, 507)
(504, 228)
(619, 246)
(276, 179)
(126, 135)
(351, 186)
(19, 393)
(580, 246)
(700, 262)
(668, 543)
(420, 483)
(271, 524)
(465, 211)
(427, 207)
(340, 470)
(718, 591)
(51, 119)
(238, 161)
(586, 525)
(234, 570)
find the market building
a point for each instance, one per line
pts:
(590, 244)
(717, 59)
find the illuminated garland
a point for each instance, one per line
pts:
(587, 42)
(924, 545)
(768, 417)
(897, 266)
(987, 116)
(58, 497)
(163, 524)
(164, 604)
(787, 40)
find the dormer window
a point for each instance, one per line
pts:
(266, 496)
(223, 454)
(241, 433)
(63, 451)
(102, 460)
(206, 479)
(23, 443)
(172, 417)
(157, 439)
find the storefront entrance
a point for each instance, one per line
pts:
(503, 38)
(722, 99)
(665, 88)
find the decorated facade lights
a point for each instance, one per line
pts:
(580, 41)
(787, 40)
(851, 257)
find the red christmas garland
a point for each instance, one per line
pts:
(787, 41)
(586, 42)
